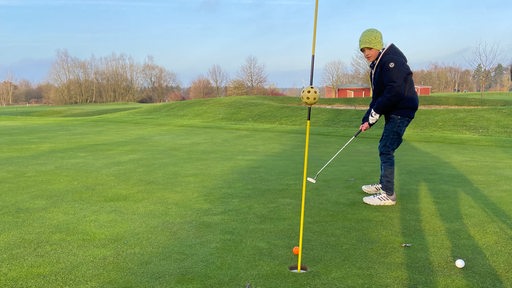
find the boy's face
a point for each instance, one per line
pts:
(370, 54)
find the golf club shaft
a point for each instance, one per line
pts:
(339, 151)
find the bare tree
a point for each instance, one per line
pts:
(508, 80)
(7, 88)
(252, 75)
(360, 69)
(237, 87)
(201, 88)
(73, 78)
(454, 76)
(46, 90)
(335, 74)
(444, 78)
(219, 79)
(117, 78)
(485, 57)
(61, 75)
(26, 93)
(157, 83)
(84, 81)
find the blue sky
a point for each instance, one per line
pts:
(189, 36)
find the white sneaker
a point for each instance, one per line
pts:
(372, 188)
(380, 199)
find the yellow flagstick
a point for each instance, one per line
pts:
(309, 96)
(303, 203)
(313, 46)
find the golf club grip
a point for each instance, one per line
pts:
(357, 133)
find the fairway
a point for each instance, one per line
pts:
(207, 193)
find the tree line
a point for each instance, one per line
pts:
(115, 78)
(119, 78)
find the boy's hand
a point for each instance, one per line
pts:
(365, 126)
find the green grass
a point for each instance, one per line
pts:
(486, 96)
(207, 193)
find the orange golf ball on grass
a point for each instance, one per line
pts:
(296, 250)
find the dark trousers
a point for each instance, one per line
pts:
(390, 140)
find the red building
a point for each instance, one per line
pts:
(423, 90)
(354, 91)
(347, 92)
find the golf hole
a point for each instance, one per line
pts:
(303, 268)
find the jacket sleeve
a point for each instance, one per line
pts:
(367, 114)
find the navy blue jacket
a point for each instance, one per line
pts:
(393, 91)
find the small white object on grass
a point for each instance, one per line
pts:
(460, 263)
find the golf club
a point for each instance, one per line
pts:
(313, 180)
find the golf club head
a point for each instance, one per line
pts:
(312, 180)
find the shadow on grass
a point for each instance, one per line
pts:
(440, 183)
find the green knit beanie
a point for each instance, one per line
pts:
(371, 38)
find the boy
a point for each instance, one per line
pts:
(394, 96)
